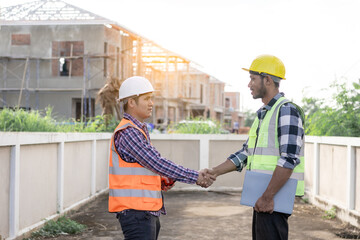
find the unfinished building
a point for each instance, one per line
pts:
(55, 54)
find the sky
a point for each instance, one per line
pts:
(317, 40)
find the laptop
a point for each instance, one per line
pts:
(255, 184)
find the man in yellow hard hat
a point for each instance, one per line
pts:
(137, 172)
(275, 146)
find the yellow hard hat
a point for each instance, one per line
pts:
(268, 64)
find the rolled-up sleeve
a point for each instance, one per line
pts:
(240, 157)
(290, 135)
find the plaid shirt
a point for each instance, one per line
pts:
(132, 146)
(290, 135)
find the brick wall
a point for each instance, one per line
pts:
(63, 48)
(20, 39)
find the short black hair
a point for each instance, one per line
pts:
(125, 106)
(262, 75)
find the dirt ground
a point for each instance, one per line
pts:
(210, 215)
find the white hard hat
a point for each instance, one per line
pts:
(134, 86)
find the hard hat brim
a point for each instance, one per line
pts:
(248, 70)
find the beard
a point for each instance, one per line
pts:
(262, 91)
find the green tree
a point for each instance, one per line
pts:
(340, 116)
(249, 117)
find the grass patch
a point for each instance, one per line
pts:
(330, 214)
(62, 226)
(305, 200)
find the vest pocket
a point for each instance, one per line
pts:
(149, 180)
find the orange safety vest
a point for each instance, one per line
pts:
(131, 186)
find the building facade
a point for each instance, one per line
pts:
(61, 56)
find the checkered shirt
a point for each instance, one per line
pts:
(290, 135)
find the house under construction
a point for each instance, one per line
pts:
(54, 53)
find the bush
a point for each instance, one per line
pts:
(63, 226)
(20, 120)
(197, 126)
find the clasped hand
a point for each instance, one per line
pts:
(206, 178)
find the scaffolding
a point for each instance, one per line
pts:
(25, 79)
(140, 56)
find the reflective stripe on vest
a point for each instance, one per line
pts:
(294, 175)
(264, 150)
(130, 171)
(134, 193)
(131, 186)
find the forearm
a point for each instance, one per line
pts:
(147, 156)
(279, 178)
(167, 168)
(225, 167)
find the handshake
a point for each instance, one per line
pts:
(206, 177)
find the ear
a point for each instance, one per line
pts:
(131, 102)
(268, 81)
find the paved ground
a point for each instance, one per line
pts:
(208, 215)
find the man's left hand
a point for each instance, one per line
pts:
(166, 183)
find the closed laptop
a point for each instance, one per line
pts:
(255, 184)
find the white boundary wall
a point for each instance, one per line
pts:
(19, 143)
(74, 166)
(332, 175)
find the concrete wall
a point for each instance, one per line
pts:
(332, 175)
(102, 156)
(332, 163)
(309, 168)
(43, 174)
(187, 155)
(357, 183)
(219, 150)
(38, 178)
(201, 151)
(77, 172)
(5, 153)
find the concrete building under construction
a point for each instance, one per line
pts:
(55, 54)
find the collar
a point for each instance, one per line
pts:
(267, 107)
(134, 120)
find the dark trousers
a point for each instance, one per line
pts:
(139, 225)
(270, 226)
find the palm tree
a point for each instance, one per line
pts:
(107, 97)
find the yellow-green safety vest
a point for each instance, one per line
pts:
(264, 151)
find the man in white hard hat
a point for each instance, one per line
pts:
(275, 146)
(137, 172)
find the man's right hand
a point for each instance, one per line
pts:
(206, 178)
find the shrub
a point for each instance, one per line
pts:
(197, 126)
(19, 120)
(62, 226)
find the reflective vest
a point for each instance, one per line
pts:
(263, 149)
(131, 186)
